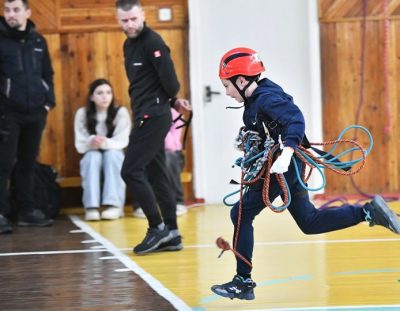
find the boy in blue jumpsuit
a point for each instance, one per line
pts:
(266, 105)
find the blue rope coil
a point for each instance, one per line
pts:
(329, 158)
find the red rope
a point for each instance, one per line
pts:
(386, 93)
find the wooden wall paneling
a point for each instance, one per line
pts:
(90, 18)
(114, 62)
(341, 56)
(374, 108)
(51, 151)
(393, 146)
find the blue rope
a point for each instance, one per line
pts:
(328, 158)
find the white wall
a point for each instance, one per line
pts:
(285, 33)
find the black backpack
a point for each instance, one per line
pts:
(46, 191)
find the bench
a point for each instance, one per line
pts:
(74, 182)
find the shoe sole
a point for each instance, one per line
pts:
(390, 216)
(152, 249)
(171, 248)
(232, 295)
(6, 231)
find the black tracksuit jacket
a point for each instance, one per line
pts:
(151, 74)
(26, 73)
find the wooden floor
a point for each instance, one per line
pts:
(76, 265)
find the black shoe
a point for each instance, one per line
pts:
(5, 226)
(239, 288)
(154, 237)
(380, 214)
(35, 218)
(175, 244)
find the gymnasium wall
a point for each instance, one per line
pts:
(364, 88)
(85, 43)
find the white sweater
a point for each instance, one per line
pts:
(120, 138)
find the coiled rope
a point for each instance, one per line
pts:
(252, 172)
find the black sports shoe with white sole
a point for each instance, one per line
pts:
(380, 214)
(154, 237)
(239, 288)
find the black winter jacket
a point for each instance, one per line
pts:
(151, 74)
(26, 73)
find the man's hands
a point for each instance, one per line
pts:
(182, 105)
(281, 164)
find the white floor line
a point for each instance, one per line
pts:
(78, 251)
(156, 285)
(363, 308)
(285, 243)
(108, 258)
(101, 248)
(75, 231)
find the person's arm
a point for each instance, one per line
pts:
(47, 76)
(159, 55)
(120, 137)
(82, 136)
(281, 108)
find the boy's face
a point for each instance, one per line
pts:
(230, 89)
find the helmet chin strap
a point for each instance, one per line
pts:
(242, 92)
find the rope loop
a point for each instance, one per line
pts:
(256, 164)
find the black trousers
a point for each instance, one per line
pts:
(145, 174)
(175, 164)
(20, 148)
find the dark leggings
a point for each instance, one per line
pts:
(309, 219)
(145, 174)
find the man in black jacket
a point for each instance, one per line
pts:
(153, 87)
(26, 95)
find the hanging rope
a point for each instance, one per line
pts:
(386, 88)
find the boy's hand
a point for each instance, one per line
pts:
(281, 164)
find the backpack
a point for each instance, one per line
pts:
(46, 191)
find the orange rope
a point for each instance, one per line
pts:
(224, 245)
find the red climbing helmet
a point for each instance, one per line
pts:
(240, 61)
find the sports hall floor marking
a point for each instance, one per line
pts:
(178, 303)
(107, 246)
(101, 248)
(353, 308)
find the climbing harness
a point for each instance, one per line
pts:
(256, 165)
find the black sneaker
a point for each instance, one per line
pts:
(380, 214)
(175, 244)
(154, 237)
(35, 218)
(239, 288)
(5, 226)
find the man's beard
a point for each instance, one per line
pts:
(135, 34)
(14, 25)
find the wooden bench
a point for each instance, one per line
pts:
(74, 182)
